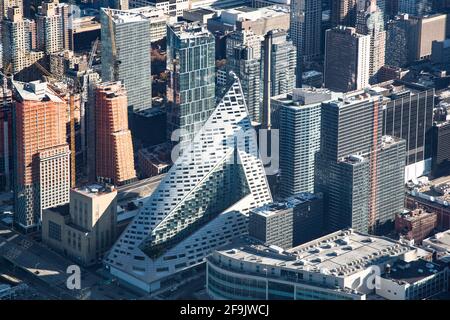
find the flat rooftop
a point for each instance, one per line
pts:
(190, 30)
(95, 189)
(134, 15)
(441, 239)
(35, 91)
(275, 207)
(411, 272)
(341, 254)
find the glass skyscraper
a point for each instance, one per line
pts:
(126, 54)
(191, 89)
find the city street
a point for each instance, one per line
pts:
(40, 267)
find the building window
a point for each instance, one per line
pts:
(54, 231)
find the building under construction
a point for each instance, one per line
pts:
(114, 148)
(42, 163)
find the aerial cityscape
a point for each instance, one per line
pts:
(212, 150)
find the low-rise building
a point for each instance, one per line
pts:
(84, 229)
(439, 243)
(339, 266)
(155, 160)
(416, 224)
(415, 280)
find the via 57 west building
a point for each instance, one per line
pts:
(201, 203)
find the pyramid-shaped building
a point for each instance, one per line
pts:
(201, 203)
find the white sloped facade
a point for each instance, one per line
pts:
(201, 203)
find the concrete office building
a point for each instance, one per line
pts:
(272, 224)
(440, 133)
(440, 52)
(191, 88)
(333, 267)
(42, 168)
(85, 229)
(288, 222)
(408, 114)
(244, 59)
(308, 216)
(299, 125)
(113, 145)
(387, 195)
(361, 175)
(347, 59)
(18, 53)
(126, 44)
(201, 203)
(305, 30)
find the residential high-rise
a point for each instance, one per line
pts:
(299, 125)
(347, 59)
(201, 203)
(370, 21)
(42, 163)
(283, 59)
(6, 4)
(360, 172)
(114, 149)
(17, 42)
(343, 13)
(126, 56)
(85, 228)
(244, 59)
(306, 20)
(49, 26)
(191, 88)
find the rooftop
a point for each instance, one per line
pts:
(134, 15)
(95, 189)
(190, 30)
(35, 91)
(415, 214)
(341, 254)
(439, 240)
(411, 272)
